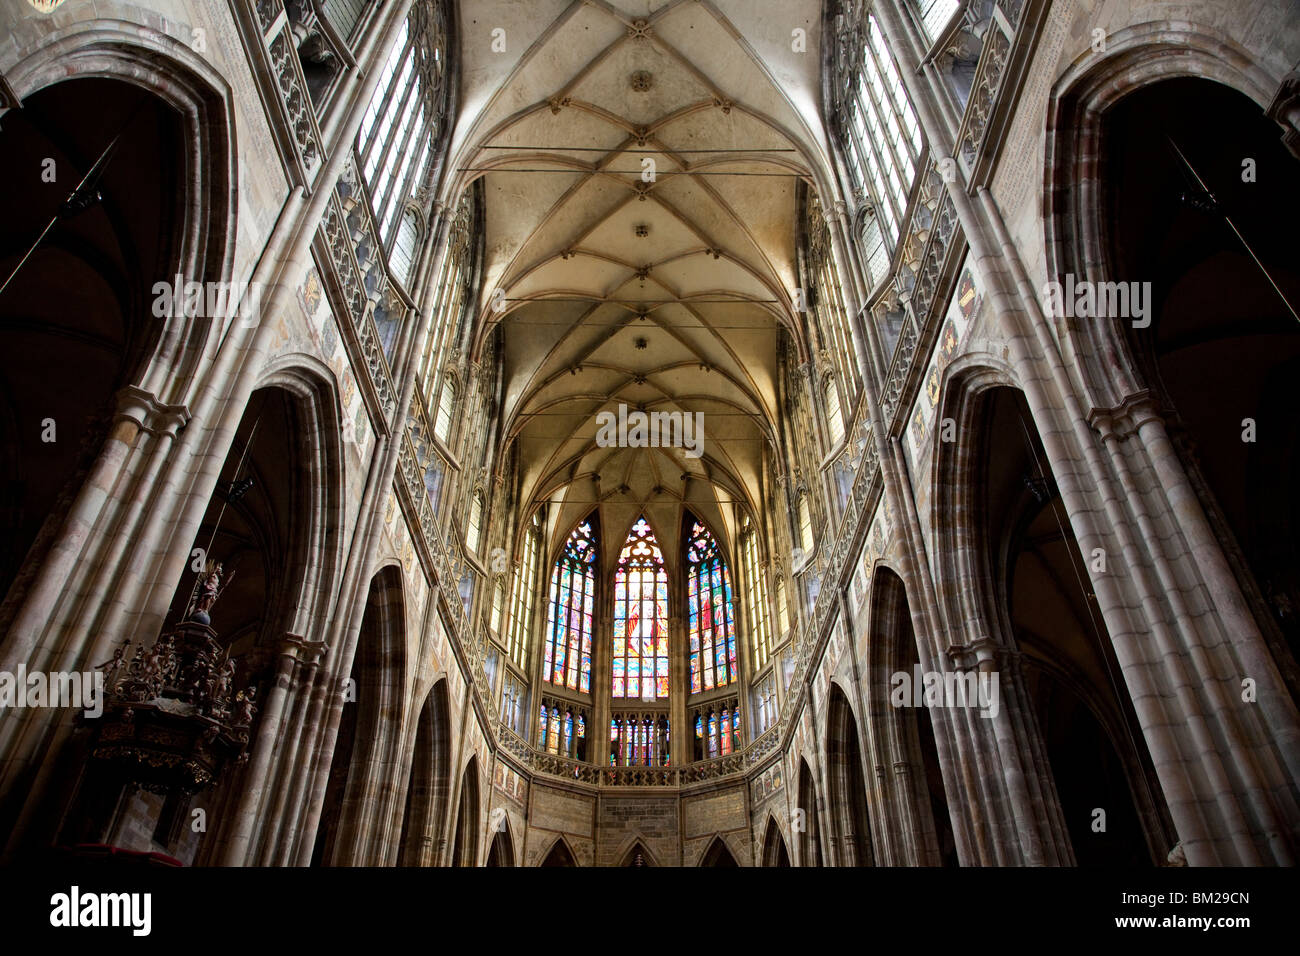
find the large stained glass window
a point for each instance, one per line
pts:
(568, 627)
(711, 620)
(640, 655)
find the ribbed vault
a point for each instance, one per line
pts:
(640, 162)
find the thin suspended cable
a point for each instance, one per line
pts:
(1233, 226)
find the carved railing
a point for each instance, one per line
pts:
(341, 244)
(1003, 36)
(924, 309)
(297, 112)
(389, 305)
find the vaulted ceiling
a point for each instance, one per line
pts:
(661, 292)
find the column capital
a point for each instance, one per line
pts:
(144, 409)
(1127, 417)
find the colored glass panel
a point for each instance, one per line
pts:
(711, 619)
(568, 630)
(640, 653)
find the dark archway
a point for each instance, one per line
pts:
(258, 526)
(1223, 342)
(559, 855)
(465, 849)
(502, 850)
(367, 725)
(910, 729)
(76, 322)
(810, 838)
(774, 850)
(1042, 593)
(429, 783)
(847, 804)
(718, 854)
(638, 855)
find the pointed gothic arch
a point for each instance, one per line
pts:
(575, 589)
(810, 838)
(1193, 85)
(501, 852)
(847, 804)
(429, 783)
(718, 854)
(711, 621)
(916, 805)
(464, 850)
(637, 855)
(367, 736)
(640, 649)
(1077, 735)
(560, 854)
(774, 849)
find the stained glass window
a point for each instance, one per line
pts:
(568, 625)
(561, 729)
(638, 740)
(640, 656)
(717, 731)
(711, 620)
(755, 597)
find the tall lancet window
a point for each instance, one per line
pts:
(640, 655)
(568, 627)
(712, 621)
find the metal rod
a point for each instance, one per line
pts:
(1233, 226)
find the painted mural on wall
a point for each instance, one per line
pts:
(358, 436)
(963, 307)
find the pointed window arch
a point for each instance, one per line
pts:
(806, 541)
(755, 584)
(521, 614)
(640, 657)
(474, 525)
(567, 661)
(712, 626)
(834, 412)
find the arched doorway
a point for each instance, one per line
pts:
(502, 850)
(638, 855)
(774, 850)
(559, 855)
(718, 854)
(810, 845)
(847, 806)
(429, 782)
(259, 527)
(368, 729)
(910, 730)
(1221, 347)
(1043, 603)
(465, 849)
(76, 321)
